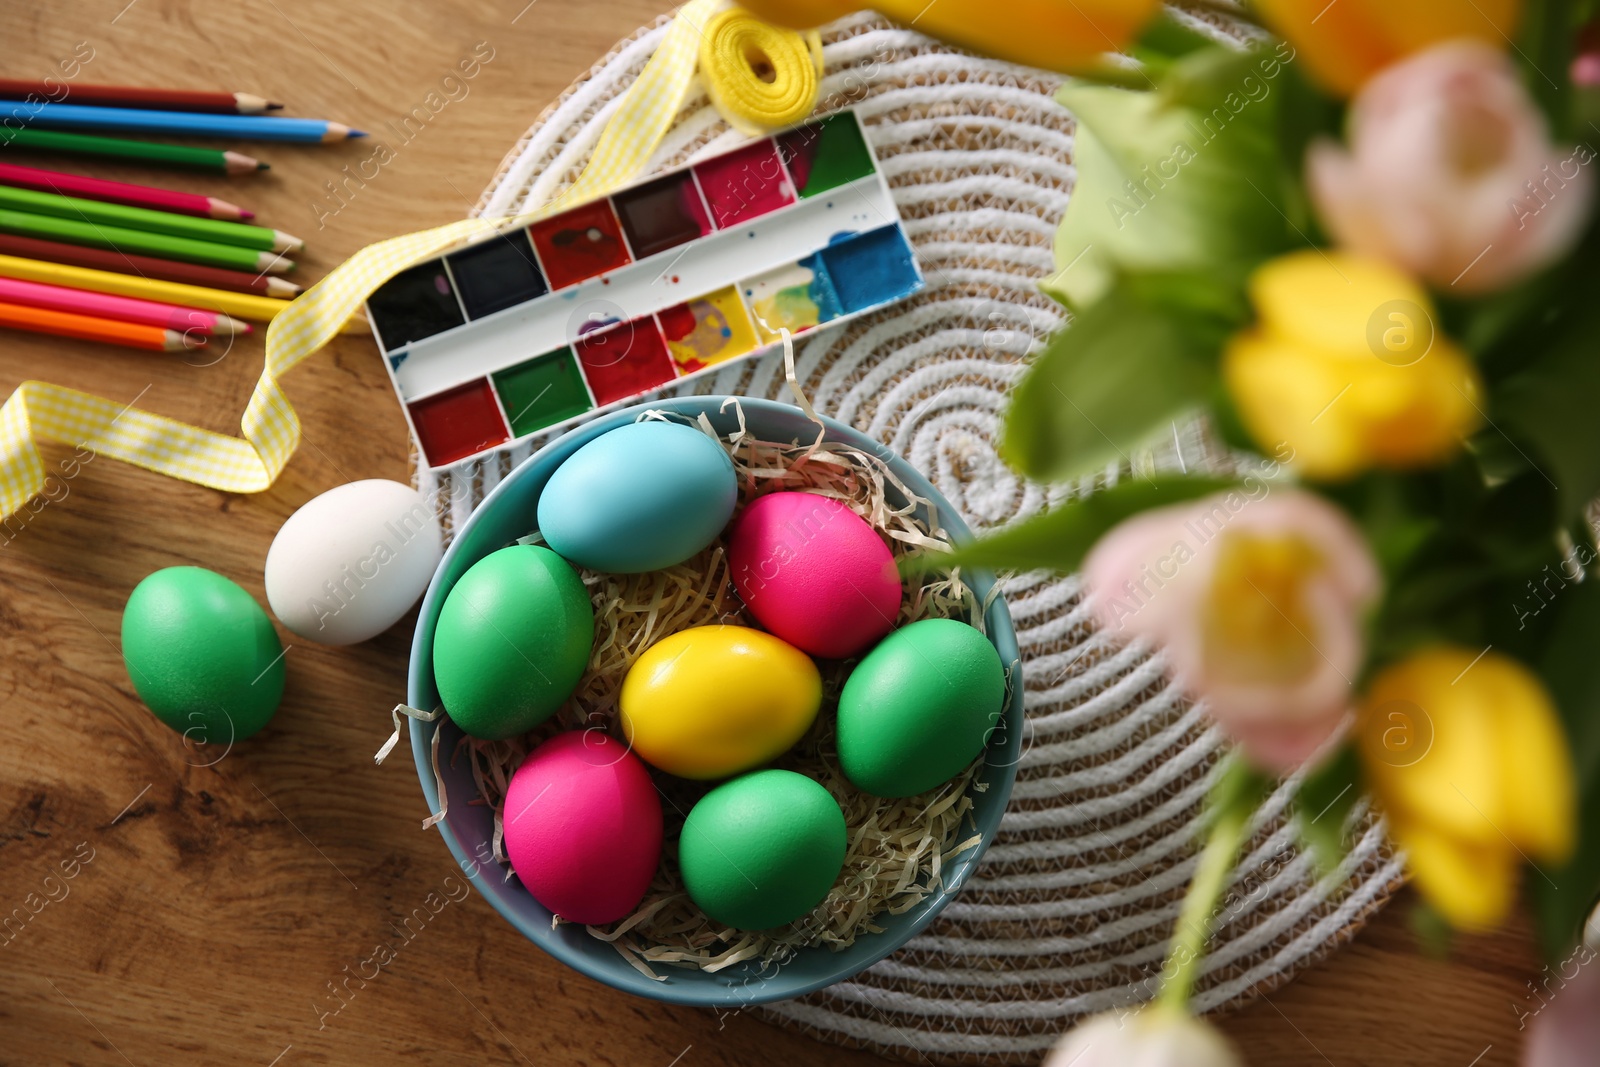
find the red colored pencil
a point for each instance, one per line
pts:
(145, 196)
(147, 266)
(168, 316)
(131, 96)
(89, 328)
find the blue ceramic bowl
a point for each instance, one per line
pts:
(508, 513)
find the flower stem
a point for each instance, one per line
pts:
(1122, 76)
(1189, 939)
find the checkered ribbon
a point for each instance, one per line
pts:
(271, 430)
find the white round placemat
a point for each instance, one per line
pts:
(1071, 909)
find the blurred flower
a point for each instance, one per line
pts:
(1258, 598)
(1347, 42)
(1450, 174)
(1585, 69)
(1035, 33)
(1566, 1032)
(1154, 1037)
(1345, 368)
(1491, 782)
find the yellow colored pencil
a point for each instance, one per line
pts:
(244, 305)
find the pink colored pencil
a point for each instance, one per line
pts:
(121, 308)
(146, 196)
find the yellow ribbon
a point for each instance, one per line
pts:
(759, 77)
(270, 428)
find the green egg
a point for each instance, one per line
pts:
(919, 707)
(202, 654)
(762, 850)
(512, 641)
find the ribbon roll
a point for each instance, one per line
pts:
(759, 76)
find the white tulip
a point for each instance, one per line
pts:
(1154, 1037)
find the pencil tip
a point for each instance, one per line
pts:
(358, 133)
(246, 213)
(263, 166)
(274, 106)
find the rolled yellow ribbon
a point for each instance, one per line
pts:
(759, 76)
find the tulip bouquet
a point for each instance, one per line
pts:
(1362, 249)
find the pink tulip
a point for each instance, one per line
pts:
(1258, 597)
(1565, 1031)
(1450, 174)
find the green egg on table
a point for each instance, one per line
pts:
(202, 654)
(512, 641)
(919, 707)
(762, 850)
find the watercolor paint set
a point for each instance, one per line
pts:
(658, 282)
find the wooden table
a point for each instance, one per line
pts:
(222, 903)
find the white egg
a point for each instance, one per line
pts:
(351, 562)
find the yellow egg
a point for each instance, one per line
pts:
(712, 701)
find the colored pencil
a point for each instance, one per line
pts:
(120, 308)
(166, 155)
(242, 305)
(168, 270)
(174, 123)
(87, 328)
(145, 196)
(159, 245)
(132, 96)
(241, 234)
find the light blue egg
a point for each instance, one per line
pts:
(642, 497)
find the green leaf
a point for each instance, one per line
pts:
(1323, 804)
(1545, 53)
(1165, 38)
(1585, 108)
(1217, 292)
(1184, 177)
(1225, 421)
(1396, 523)
(1509, 331)
(1060, 538)
(1547, 409)
(1498, 457)
(1571, 670)
(1110, 381)
(1304, 114)
(1516, 524)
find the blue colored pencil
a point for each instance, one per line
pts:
(172, 123)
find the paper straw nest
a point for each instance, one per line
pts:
(896, 849)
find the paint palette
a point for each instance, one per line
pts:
(666, 279)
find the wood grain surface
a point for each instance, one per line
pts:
(211, 909)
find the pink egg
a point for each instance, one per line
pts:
(814, 573)
(583, 827)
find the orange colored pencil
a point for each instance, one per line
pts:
(88, 328)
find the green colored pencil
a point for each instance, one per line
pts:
(167, 155)
(138, 218)
(142, 242)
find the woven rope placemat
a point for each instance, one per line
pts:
(1071, 909)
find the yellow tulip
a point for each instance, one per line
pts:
(1467, 759)
(1052, 34)
(1345, 43)
(1345, 368)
